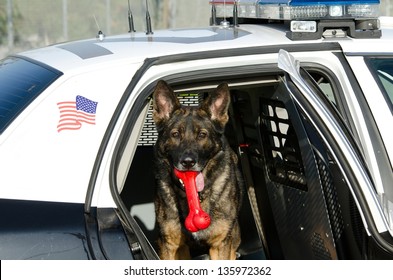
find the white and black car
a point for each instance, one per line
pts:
(311, 119)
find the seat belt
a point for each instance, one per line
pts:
(245, 165)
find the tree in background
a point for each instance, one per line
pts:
(3, 22)
(16, 18)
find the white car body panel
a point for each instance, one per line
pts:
(64, 159)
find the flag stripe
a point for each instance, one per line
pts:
(74, 113)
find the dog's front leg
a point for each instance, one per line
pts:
(222, 248)
(225, 243)
(224, 251)
(172, 243)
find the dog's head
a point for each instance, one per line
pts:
(189, 136)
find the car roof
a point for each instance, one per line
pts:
(136, 47)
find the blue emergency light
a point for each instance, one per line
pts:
(316, 2)
(314, 9)
(298, 9)
(358, 18)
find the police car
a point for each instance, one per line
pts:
(311, 119)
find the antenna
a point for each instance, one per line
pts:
(235, 15)
(100, 36)
(130, 19)
(224, 22)
(213, 20)
(148, 21)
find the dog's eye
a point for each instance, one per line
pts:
(175, 134)
(202, 134)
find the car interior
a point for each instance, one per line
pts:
(296, 203)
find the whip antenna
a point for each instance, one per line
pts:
(148, 20)
(235, 14)
(130, 19)
(213, 19)
(224, 22)
(100, 36)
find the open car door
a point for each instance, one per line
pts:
(312, 222)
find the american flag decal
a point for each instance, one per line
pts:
(74, 113)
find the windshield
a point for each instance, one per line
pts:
(382, 69)
(21, 81)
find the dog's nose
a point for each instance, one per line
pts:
(188, 162)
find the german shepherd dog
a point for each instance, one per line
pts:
(192, 138)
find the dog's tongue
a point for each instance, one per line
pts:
(200, 183)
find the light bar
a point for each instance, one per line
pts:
(312, 9)
(298, 9)
(247, 8)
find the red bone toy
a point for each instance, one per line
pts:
(197, 219)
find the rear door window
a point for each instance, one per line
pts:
(21, 81)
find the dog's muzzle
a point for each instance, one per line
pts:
(188, 160)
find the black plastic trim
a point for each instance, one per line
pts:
(349, 26)
(93, 236)
(42, 230)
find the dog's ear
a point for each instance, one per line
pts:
(165, 102)
(217, 105)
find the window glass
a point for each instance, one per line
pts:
(21, 81)
(325, 85)
(382, 69)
